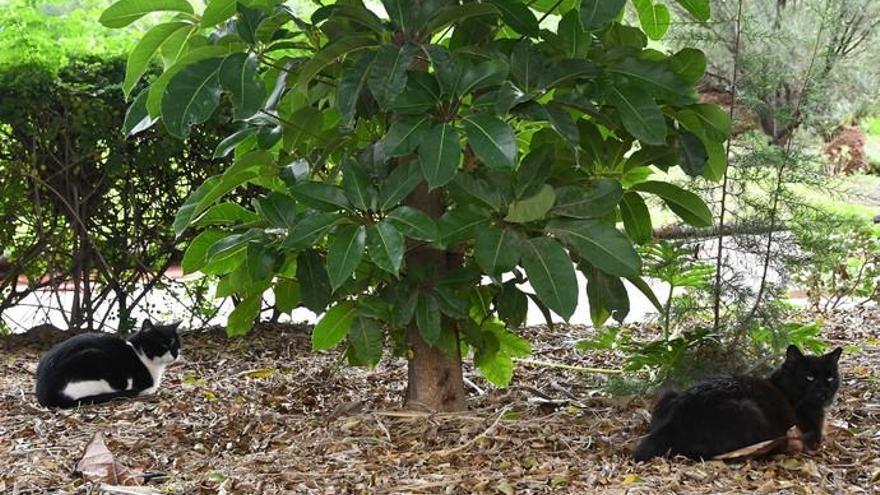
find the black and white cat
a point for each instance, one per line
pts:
(725, 414)
(95, 368)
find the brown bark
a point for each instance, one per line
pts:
(435, 379)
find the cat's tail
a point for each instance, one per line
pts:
(658, 442)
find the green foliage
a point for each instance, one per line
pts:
(460, 130)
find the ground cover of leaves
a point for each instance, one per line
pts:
(266, 415)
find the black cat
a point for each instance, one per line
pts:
(726, 414)
(94, 368)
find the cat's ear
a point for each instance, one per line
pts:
(793, 354)
(147, 325)
(834, 355)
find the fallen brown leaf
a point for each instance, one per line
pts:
(98, 464)
(791, 442)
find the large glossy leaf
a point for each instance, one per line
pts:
(196, 254)
(654, 18)
(137, 119)
(386, 246)
(330, 53)
(567, 70)
(489, 73)
(146, 49)
(497, 368)
(440, 155)
(287, 295)
(279, 210)
(414, 223)
(248, 21)
(709, 122)
(572, 36)
(230, 143)
(241, 320)
(534, 170)
(607, 296)
(260, 261)
(387, 78)
(458, 225)
(320, 196)
(160, 84)
(231, 245)
(239, 76)
(428, 318)
(497, 250)
(356, 185)
(406, 134)
(685, 204)
(526, 65)
(518, 16)
(492, 140)
(636, 217)
(402, 180)
(345, 253)
(598, 13)
(594, 202)
(314, 281)
(205, 195)
(689, 64)
(532, 208)
(354, 13)
(309, 229)
(226, 213)
(694, 156)
(352, 84)
(454, 14)
(551, 274)
(600, 244)
(365, 337)
(124, 12)
(333, 326)
(657, 78)
(191, 97)
(217, 11)
(698, 8)
(512, 305)
(640, 114)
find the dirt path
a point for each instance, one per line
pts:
(265, 415)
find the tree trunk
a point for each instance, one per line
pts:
(435, 379)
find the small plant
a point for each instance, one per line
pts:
(839, 260)
(773, 341)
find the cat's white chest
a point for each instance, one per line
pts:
(87, 388)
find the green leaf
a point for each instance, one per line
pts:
(607, 296)
(645, 289)
(260, 261)
(428, 318)
(333, 326)
(414, 223)
(330, 53)
(231, 245)
(320, 196)
(640, 114)
(365, 337)
(492, 140)
(137, 119)
(526, 65)
(309, 229)
(351, 85)
(241, 320)
(694, 156)
(404, 308)
(572, 36)
(489, 73)
(440, 155)
(568, 70)
(512, 305)
(655, 79)
(358, 14)
(458, 225)
(248, 22)
(314, 281)
(509, 343)
(356, 185)
(551, 273)
(402, 180)
(226, 213)
(124, 12)
(596, 14)
(405, 135)
(230, 143)
(191, 96)
(387, 78)
(689, 64)
(497, 368)
(685, 204)
(287, 295)
(532, 208)
(455, 14)
(239, 76)
(654, 18)
(600, 244)
(278, 209)
(145, 50)
(518, 16)
(160, 84)
(707, 121)
(699, 9)
(636, 217)
(597, 201)
(497, 250)
(205, 195)
(195, 256)
(217, 11)
(386, 245)
(345, 253)
(534, 170)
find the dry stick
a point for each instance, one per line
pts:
(717, 309)
(444, 453)
(581, 369)
(779, 176)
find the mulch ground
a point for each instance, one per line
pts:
(267, 415)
